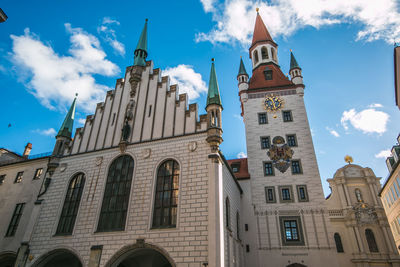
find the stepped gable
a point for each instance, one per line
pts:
(153, 108)
(258, 81)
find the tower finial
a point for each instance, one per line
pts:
(141, 48)
(257, 9)
(348, 159)
(212, 59)
(76, 94)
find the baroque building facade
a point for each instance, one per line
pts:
(144, 183)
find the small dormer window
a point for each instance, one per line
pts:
(235, 167)
(268, 73)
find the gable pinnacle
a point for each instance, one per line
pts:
(68, 124)
(141, 48)
(213, 96)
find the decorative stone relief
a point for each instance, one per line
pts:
(134, 80)
(146, 153)
(98, 161)
(365, 214)
(192, 146)
(280, 154)
(63, 167)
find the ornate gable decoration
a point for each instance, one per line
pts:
(280, 154)
(365, 214)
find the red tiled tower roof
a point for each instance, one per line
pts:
(258, 81)
(261, 33)
(243, 171)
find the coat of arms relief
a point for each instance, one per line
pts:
(280, 154)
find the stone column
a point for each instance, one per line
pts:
(215, 212)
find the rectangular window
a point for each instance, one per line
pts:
(285, 193)
(247, 248)
(12, 227)
(291, 230)
(389, 204)
(302, 193)
(270, 194)
(396, 188)
(246, 227)
(394, 195)
(287, 115)
(296, 167)
(18, 178)
(268, 169)
(38, 173)
(390, 196)
(262, 118)
(291, 140)
(265, 142)
(2, 178)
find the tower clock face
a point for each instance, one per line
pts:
(273, 103)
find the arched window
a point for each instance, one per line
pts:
(338, 242)
(273, 53)
(237, 225)
(369, 235)
(358, 195)
(227, 213)
(71, 205)
(116, 195)
(255, 56)
(264, 53)
(166, 196)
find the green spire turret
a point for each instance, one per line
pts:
(242, 69)
(293, 62)
(213, 90)
(68, 124)
(141, 48)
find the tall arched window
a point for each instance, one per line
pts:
(369, 235)
(338, 242)
(166, 196)
(116, 195)
(71, 205)
(255, 56)
(273, 53)
(237, 225)
(227, 213)
(358, 195)
(264, 53)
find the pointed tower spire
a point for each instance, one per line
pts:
(141, 48)
(242, 69)
(261, 33)
(293, 61)
(213, 89)
(68, 124)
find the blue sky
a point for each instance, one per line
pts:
(49, 52)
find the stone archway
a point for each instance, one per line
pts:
(7, 259)
(141, 255)
(58, 258)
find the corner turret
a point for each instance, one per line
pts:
(242, 77)
(214, 109)
(295, 70)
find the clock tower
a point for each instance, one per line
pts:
(289, 224)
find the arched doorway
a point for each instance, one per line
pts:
(141, 255)
(296, 265)
(7, 259)
(59, 258)
(144, 258)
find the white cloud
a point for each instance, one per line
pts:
(375, 105)
(367, 120)
(82, 121)
(47, 132)
(189, 81)
(208, 5)
(333, 132)
(235, 18)
(54, 79)
(383, 154)
(238, 116)
(241, 155)
(108, 32)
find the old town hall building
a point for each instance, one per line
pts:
(145, 184)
